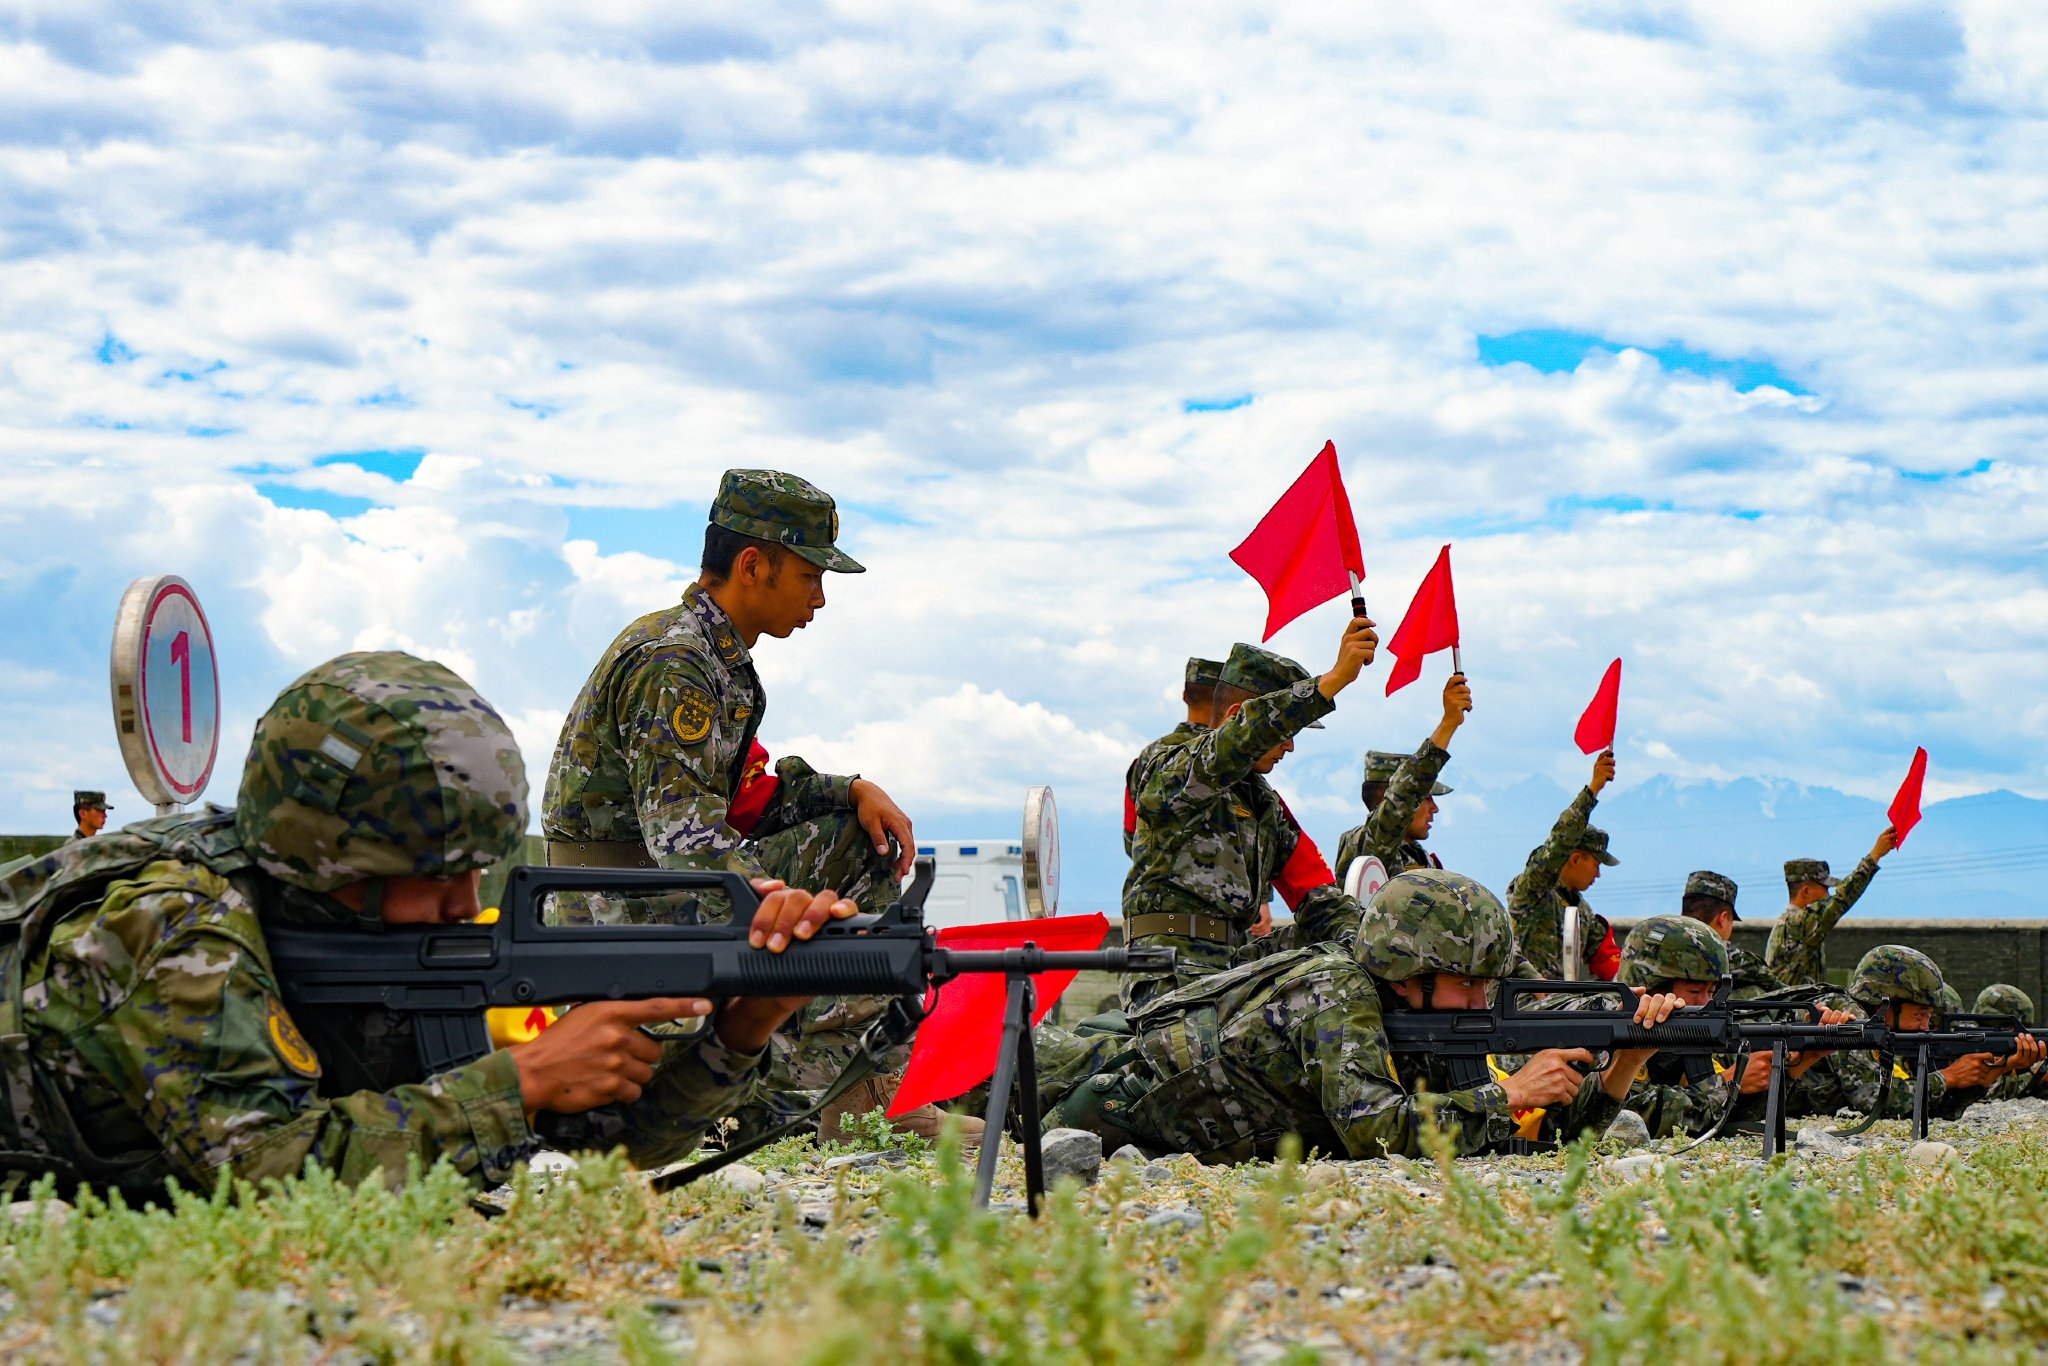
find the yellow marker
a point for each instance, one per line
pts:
(514, 1024)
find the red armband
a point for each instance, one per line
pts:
(1607, 957)
(1306, 868)
(757, 789)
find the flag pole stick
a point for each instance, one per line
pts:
(1357, 595)
(1457, 664)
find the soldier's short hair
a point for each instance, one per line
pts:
(1372, 794)
(1701, 907)
(722, 547)
(1225, 697)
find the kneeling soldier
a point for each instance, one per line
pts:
(1294, 1044)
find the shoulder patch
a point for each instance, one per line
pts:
(692, 718)
(291, 1045)
(728, 646)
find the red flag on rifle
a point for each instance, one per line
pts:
(1305, 551)
(1431, 625)
(962, 1032)
(1905, 812)
(1596, 727)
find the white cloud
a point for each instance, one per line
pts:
(963, 266)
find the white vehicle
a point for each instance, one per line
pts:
(979, 882)
(986, 882)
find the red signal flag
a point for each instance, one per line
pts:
(1431, 625)
(1305, 550)
(1596, 727)
(1905, 809)
(962, 1031)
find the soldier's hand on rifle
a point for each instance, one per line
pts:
(881, 818)
(1886, 842)
(1627, 1063)
(1972, 1073)
(1988, 1068)
(1551, 1077)
(1354, 652)
(789, 913)
(1603, 771)
(596, 1054)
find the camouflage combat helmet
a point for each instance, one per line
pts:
(1893, 972)
(1428, 920)
(380, 765)
(1670, 948)
(2001, 998)
(1951, 1000)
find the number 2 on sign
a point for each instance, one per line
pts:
(181, 655)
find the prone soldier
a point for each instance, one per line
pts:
(1709, 898)
(2002, 998)
(1294, 1043)
(158, 1046)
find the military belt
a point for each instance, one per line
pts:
(1215, 929)
(598, 854)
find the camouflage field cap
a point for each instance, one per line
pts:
(1259, 672)
(1893, 972)
(1594, 842)
(1670, 948)
(2001, 998)
(1429, 920)
(91, 801)
(1799, 871)
(1204, 673)
(772, 506)
(1380, 766)
(1705, 883)
(380, 765)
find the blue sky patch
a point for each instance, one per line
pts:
(1215, 405)
(1553, 350)
(335, 505)
(113, 351)
(668, 533)
(1943, 476)
(397, 466)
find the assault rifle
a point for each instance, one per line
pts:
(445, 976)
(1516, 1024)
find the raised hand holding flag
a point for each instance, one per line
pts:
(1431, 625)
(1905, 808)
(1304, 551)
(1596, 726)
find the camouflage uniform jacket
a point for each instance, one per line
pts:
(1178, 735)
(656, 745)
(1295, 1043)
(1797, 940)
(1385, 832)
(1538, 903)
(1212, 834)
(1752, 978)
(156, 1044)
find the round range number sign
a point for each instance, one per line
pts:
(1041, 853)
(166, 690)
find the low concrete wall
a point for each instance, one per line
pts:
(1972, 953)
(13, 847)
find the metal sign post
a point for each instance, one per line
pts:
(1041, 854)
(166, 691)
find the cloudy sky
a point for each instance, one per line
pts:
(1711, 335)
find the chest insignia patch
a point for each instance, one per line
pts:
(692, 718)
(291, 1045)
(1244, 813)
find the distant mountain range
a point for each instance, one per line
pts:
(1983, 855)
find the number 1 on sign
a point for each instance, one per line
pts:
(181, 655)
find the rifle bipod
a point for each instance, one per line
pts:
(1016, 1066)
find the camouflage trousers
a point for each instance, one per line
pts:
(817, 1043)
